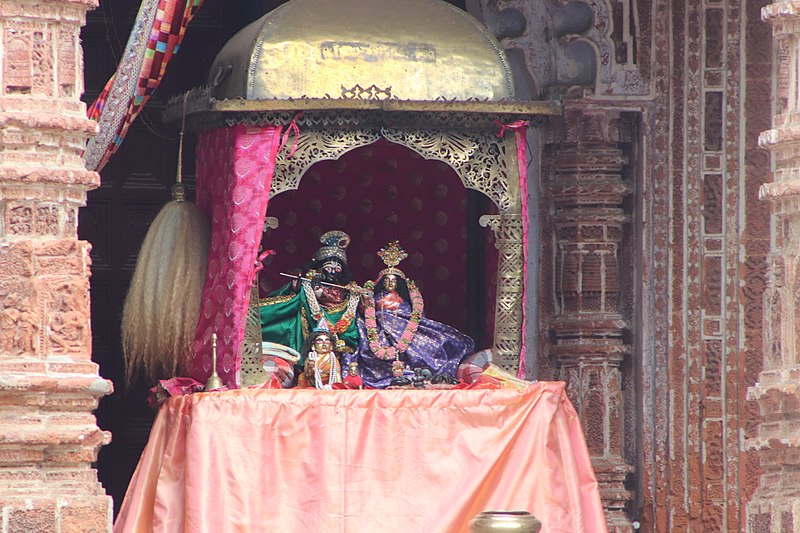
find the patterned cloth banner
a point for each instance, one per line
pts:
(234, 172)
(156, 37)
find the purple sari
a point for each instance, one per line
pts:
(436, 346)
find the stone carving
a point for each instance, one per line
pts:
(67, 74)
(68, 322)
(20, 220)
(47, 220)
(586, 328)
(19, 327)
(44, 315)
(17, 63)
(557, 49)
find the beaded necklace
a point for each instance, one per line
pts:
(317, 312)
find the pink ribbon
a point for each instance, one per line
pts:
(292, 127)
(519, 127)
(259, 265)
(516, 126)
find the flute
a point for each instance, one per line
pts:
(321, 282)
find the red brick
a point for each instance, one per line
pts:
(87, 515)
(76, 367)
(41, 516)
(61, 266)
(21, 366)
(63, 247)
(16, 259)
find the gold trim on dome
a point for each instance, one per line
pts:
(439, 104)
(200, 101)
(373, 92)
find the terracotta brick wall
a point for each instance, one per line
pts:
(48, 383)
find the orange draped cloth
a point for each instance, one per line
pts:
(362, 460)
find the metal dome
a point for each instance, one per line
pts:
(399, 49)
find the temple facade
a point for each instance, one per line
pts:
(663, 264)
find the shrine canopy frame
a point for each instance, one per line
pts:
(469, 136)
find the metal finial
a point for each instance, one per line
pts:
(179, 190)
(214, 382)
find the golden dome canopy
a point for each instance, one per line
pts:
(405, 49)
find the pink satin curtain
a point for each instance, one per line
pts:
(234, 173)
(353, 461)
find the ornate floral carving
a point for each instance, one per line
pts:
(373, 92)
(313, 146)
(480, 158)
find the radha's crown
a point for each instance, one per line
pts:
(391, 255)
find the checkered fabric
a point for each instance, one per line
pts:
(473, 365)
(281, 369)
(165, 35)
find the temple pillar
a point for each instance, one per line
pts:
(48, 384)
(587, 329)
(775, 506)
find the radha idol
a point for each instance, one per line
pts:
(395, 331)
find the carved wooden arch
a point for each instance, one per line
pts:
(483, 161)
(480, 159)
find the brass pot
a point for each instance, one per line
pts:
(493, 521)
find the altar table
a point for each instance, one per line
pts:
(302, 460)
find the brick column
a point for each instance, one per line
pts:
(48, 384)
(587, 327)
(776, 503)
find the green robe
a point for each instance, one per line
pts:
(286, 319)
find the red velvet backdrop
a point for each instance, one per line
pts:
(383, 192)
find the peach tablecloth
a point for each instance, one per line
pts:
(362, 461)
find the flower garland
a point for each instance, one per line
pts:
(317, 312)
(388, 353)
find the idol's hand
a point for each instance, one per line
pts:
(356, 288)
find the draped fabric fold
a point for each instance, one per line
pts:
(234, 173)
(520, 129)
(155, 37)
(351, 461)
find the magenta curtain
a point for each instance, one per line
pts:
(234, 172)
